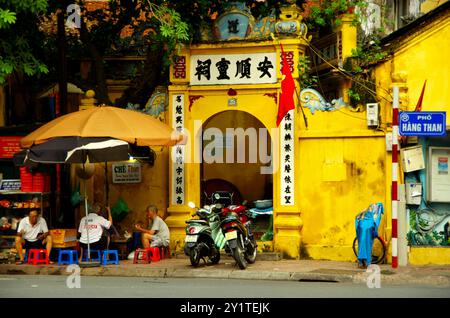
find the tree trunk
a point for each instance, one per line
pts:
(101, 89)
(62, 63)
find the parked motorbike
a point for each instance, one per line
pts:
(235, 224)
(204, 237)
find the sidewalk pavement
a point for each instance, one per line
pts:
(290, 270)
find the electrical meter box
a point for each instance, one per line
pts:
(438, 176)
(372, 114)
(413, 193)
(412, 159)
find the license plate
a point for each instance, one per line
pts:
(231, 235)
(191, 238)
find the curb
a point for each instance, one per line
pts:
(166, 272)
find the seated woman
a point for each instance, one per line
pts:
(93, 225)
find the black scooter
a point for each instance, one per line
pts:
(235, 224)
(204, 237)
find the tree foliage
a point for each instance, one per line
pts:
(19, 36)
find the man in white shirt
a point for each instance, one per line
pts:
(32, 233)
(158, 233)
(94, 224)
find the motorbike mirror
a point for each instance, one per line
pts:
(191, 205)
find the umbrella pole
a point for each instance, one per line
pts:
(87, 227)
(107, 196)
(106, 184)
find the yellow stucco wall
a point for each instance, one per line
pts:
(429, 255)
(343, 169)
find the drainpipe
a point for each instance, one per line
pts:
(394, 187)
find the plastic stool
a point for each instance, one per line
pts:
(95, 259)
(107, 253)
(144, 258)
(164, 251)
(72, 257)
(154, 253)
(35, 256)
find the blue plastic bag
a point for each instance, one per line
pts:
(366, 225)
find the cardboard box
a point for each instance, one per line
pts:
(61, 236)
(65, 245)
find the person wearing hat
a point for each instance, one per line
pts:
(95, 224)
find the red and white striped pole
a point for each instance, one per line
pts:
(394, 210)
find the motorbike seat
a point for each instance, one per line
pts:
(237, 208)
(196, 221)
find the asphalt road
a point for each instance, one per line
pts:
(135, 287)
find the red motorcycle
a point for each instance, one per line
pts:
(235, 224)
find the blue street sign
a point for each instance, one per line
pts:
(421, 124)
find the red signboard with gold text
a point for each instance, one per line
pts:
(9, 145)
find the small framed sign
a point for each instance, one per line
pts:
(10, 185)
(129, 172)
(232, 102)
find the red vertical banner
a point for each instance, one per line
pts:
(287, 89)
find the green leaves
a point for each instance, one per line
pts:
(7, 18)
(16, 53)
(6, 67)
(306, 79)
(172, 27)
(327, 14)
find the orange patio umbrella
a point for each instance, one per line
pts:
(106, 121)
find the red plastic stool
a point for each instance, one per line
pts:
(164, 251)
(35, 256)
(141, 256)
(154, 253)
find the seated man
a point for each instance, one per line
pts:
(92, 225)
(158, 233)
(32, 233)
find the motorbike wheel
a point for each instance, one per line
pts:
(250, 253)
(215, 258)
(194, 256)
(238, 255)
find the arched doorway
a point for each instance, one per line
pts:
(237, 157)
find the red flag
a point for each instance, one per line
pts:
(287, 90)
(419, 102)
(418, 107)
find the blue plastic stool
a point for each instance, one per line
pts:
(94, 259)
(72, 257)
(114, 260)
